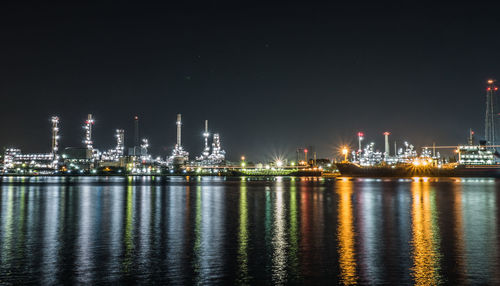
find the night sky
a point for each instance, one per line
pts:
(268, 77)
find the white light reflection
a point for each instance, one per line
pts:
(84, 256)
(279, 239)
(51, 243)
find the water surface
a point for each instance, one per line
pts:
(213, 230)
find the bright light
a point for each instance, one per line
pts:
(242, 158)
(279, 163)
(345, 151)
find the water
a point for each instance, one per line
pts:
(240, 231)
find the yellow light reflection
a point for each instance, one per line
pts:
(426, 240)
(346, 234)
(243, 278)
(129, 245)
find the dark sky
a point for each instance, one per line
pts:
(268, 77)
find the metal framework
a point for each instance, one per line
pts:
(55, 141)
(490, 118)
(120, 142)
(88, 132)
(179, 155)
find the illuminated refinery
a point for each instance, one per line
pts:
(479, 159)
(89, 160)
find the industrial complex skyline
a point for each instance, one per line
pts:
(270, 77)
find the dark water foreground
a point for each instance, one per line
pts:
(213, 231)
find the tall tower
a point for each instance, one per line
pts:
(88, 132)
(360, 138)
(55, 140)
(120, 140)
(179, 156)
(144, 146)
(471, 137)
(136, 130)
(489, 126)
(206, 134)
(386, 153)
(218, 155)
(179, 124)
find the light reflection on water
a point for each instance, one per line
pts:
(426, 240)
(248, 231)
(347, 260)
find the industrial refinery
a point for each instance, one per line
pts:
(136, 159)
(473, 158)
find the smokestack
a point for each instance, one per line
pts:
(179, 123)
(386, 134)
(136, 130)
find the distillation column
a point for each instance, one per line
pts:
(88, 132)
(120, 142)
(55, 140)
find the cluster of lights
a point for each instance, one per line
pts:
(218, 155)
(88, 132)
(475, 155)
(55, 141)
(13, 158)
(368, 156)
(178, 154)
(422, 162)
